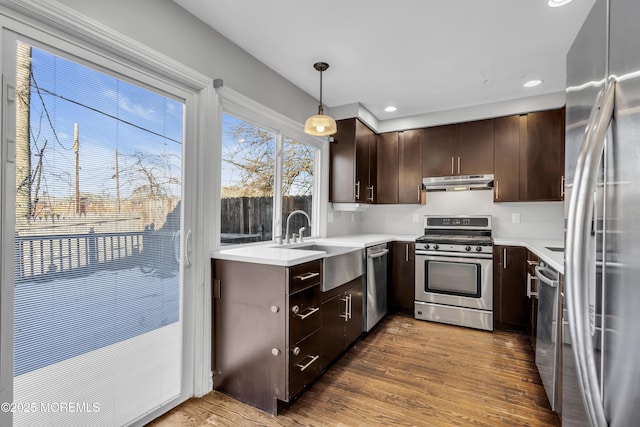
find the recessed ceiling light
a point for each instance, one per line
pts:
(558, 3)
(532, 83)
(390, 109)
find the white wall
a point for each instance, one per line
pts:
(539, 220)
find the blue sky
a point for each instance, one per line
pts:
(101, 105)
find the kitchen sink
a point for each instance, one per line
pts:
(341, 265)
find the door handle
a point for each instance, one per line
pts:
(577, 253)
(187, 249)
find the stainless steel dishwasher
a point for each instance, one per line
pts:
(375, 306)
(547, 333)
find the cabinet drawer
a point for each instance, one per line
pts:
(304, 313)
(304, 363)
(305, 275)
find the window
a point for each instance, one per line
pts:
(266, 175)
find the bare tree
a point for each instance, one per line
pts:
(250, 150)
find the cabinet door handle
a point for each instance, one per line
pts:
(452, 165)
(504, 258)
(309, 312)
(532, 262)
(371, 190)
(458, 165)
(307, 276)
(303, 367)
(346, 308)
(562, 187)
(358, 190)
(530, 292)
(406, 253)
(497, 190)
(349, 309)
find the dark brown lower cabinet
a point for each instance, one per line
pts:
(510, 303)
(342, 321)
(402, 287)
(266, 330)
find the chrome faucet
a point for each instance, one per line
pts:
(286, 233)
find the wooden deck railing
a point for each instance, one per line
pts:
(51, 256)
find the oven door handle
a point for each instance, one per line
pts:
(462, 255)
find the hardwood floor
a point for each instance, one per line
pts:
(404, 373)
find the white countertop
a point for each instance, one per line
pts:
(272, 254)
(539, 247)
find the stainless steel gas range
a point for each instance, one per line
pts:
(454, 271)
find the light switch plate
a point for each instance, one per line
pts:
(515, 218)
(416, 217)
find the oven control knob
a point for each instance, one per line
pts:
(478, 248)
(435, 247)
(427, 246)
(467, 248)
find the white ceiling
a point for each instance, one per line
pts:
(422, 56)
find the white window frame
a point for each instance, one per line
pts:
(244, 108)
(53, 24)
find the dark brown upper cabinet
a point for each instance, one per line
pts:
(388, 167)
(410, 166)
(458, 149)
(352, 166)
(529, 157)
(399, 167)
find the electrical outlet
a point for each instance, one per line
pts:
(515, 218)
(416, 217)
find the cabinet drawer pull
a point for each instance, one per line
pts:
(309, 312)
(307, 276)
(303, 367)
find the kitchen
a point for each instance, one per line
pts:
(513, 223)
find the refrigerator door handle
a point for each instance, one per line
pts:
(577, 250)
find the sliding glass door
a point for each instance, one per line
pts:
(97, 271)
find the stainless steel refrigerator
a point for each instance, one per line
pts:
(601, 304)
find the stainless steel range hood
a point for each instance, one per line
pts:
(457, 183)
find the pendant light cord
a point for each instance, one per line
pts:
(320, 108)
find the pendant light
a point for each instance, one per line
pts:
(319, 124)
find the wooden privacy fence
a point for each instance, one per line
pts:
(62, 255)
(246, 219)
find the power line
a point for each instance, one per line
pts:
(107, 115)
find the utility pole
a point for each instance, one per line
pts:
(76, 149)
(24, 178)
(117, 183)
